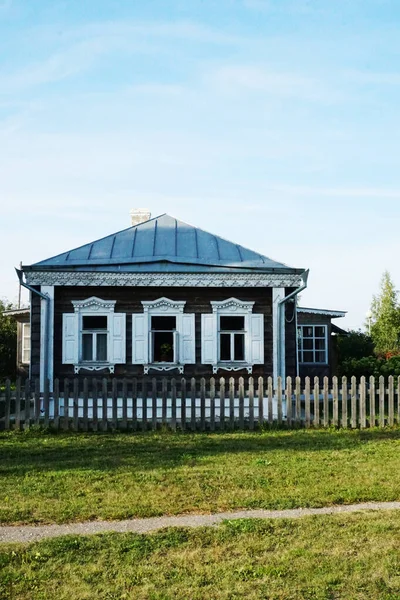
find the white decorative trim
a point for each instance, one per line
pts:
(94, 304)
(146, 368)
(77, 368)
(232, 305)
(164, 305)
(96, 278)
(217, 368)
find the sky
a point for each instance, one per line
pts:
(273, 123)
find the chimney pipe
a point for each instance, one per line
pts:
(139, 215)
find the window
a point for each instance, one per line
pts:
(26, 343)
(94, 335)
(313, 344)
(232, 337)
(163, 340)
(94, 339)
(163, 336)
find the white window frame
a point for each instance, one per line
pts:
(239, 308)
(100, 308)
(25, 345)
(163, 307)
(232, 334)
(301, 350)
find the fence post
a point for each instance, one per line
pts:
(326, 401)
(307, 403)
(316, 402)
(95, 400)
(76, 404)
(298, 401)
(154, 404)
(46, 402)
(114, 403)
(125, 423)
(36, 404)
(164, 400)
(270, 401)
(345, 398)
(289, 401)
(353, 402)
(193, 404)
(363, 394)
(18, 405)
(144, 404)
(27, 406)
(85, 404)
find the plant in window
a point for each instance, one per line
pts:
(166, 353)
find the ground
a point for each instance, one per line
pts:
(72, 477)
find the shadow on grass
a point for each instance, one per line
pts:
(21, 453)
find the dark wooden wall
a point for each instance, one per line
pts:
(197, 301)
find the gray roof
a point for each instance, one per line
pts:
(162, 243)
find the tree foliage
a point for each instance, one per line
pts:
(354, 346)
(8, 342)
(385, 320)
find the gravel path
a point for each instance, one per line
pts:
(32, 533)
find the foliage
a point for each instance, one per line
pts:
(355, 345)
(354, 556)
(8, 342)
(371, 365)
(385, 321)
(47, 478)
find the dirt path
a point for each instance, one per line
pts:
(29, 533)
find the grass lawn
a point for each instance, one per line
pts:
(353, 556)
(48, 478)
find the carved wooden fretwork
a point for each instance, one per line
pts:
(94, 304)
(216, 368)
(147, 368)
(78, 368)
(241, 280)
(164, 305)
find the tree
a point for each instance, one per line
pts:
(8, 342)
(385, 321)
(354, 345)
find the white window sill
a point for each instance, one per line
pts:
(163, 366)
(233, 366)
(93, 366)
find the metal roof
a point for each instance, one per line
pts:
(335, 314)
(152, 244)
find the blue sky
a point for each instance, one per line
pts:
(272, 123)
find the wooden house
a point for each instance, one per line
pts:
(164, 297)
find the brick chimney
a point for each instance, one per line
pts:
(139, 215)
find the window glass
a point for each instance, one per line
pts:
(308, 357)
(26, 343)
(320, 357)
(232, 323)
(320, 332)
(101, 346)
(95, 322)
(308, 331)
(312, 345)
(320, 344)
(308, 344)
(225, 346)
(239, 346)
(87, 346)
(163, 323)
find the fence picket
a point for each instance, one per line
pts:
(251, 403)
(56, 404)
(381, 401)
(345, 398)
(241, 403)
(260, 395)
(212, 404)
(144, 405)
(289, 401)
(164, 400)
(85, 416)
(298, 400)
(363, 395)
(398, 400)
(27, 404)
(326, 402)
(18, 393)
(270, 391)
(335, 395)
(66, 405)
(46, 402)
(222, 404)
(353, 402)
(316, 402)
(75, 426)
(125, 421)
(202, 404)
(173, 404)
(307, 403)
(279, 401)
(193, 404)
(36, 404)
(372, 399)
(114, 404)
(231, 403)
(391, 401)
(183, 404)
(7, 407)
(154, 404)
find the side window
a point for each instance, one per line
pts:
(313, 344)
(26, 343)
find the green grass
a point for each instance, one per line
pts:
(343, 556)
(48, 478)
